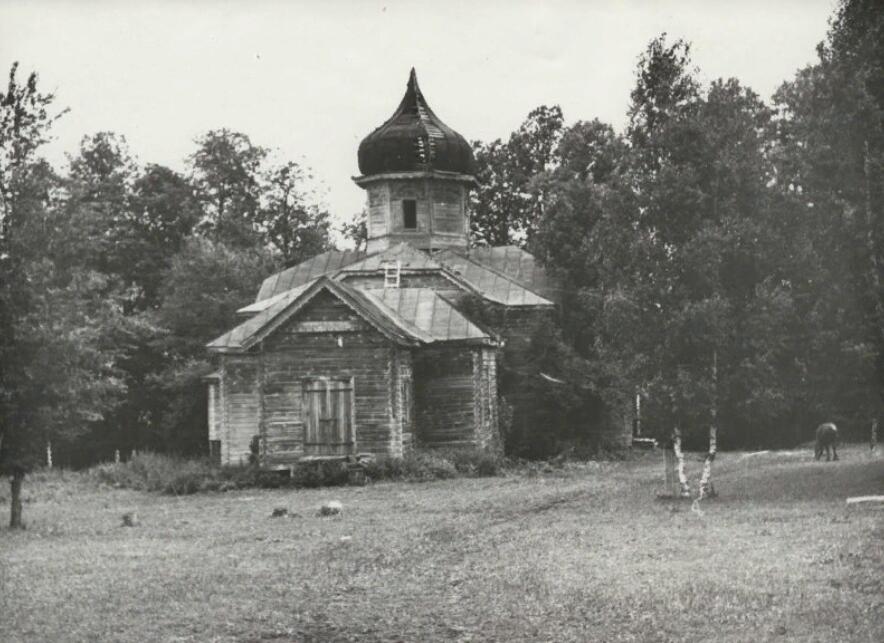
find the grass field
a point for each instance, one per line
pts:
(580, 553)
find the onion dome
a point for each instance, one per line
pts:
(414, 139)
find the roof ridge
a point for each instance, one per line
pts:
(273, 320)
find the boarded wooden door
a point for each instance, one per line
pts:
(328, 416)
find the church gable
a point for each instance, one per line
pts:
(264, 324)
(324, 314)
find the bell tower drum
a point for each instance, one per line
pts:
(417, 172)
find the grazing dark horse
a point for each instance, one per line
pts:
(826, 436)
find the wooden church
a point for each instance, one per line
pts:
(372, 352)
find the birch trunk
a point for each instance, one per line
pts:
(706, 488)
(679, 464)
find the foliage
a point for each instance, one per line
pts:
(356, 230)
(416, 466)
(225, 171)
(507, 206)
(150, 472)
(475, 462)
(62, 325)
(247, 202)
(163, 473)
(715, 230)
(297, 229)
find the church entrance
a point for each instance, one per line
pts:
(328, 417)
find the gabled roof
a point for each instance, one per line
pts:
(263, 304)
(507, 275)
(239, 337)
(409, 258)
(489, 283)
(322, 264)
(427, 321)
(431, 313)
(516, 264)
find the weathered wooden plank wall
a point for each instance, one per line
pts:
(241, 411)
(403, 403)
(485, 402)
(266, 389)
(444, 397)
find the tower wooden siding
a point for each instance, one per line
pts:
(441, 207)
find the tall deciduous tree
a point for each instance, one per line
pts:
(205, 285)
(829, 159)
(295, 227)
(59, 365)
(507, 206)
(226, 171)
(25, 122)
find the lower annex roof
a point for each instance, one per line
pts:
(411, 316)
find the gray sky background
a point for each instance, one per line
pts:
(313, 78)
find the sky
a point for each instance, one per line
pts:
(311, 79)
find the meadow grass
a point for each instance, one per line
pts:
(583, 552)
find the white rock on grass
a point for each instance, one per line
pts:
(331, 508)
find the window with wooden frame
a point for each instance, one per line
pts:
(409, 214)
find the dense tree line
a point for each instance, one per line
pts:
(113, 276)
(721, 258)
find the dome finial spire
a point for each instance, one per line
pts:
(414, 139)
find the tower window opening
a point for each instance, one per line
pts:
(409, 214)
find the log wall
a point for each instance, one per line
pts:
(485, 399)
(263, 391)
(455, 397)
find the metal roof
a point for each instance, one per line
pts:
(239, 336)
(322, 264)
(489, 283)
(516, 264)
(432, 314)
(506, 275)
(409, 316)
(415, 139)
(409, 258)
